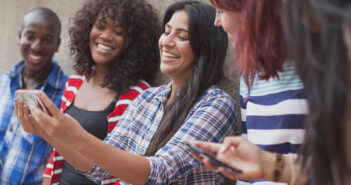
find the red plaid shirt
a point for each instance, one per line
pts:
(54, 167)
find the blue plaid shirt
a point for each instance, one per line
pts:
(210, 119)
(23, 156)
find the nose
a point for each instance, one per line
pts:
(168, 41)
(217, 21)
(106, 35)
(37, 45)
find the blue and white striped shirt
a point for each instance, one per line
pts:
(23, 156)
(210, 119)
(273, 114)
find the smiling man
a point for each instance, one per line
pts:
(23, 156)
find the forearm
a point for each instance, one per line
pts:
(129, 167)
(71, 155)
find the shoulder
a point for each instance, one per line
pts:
(288, 80)
(216, 98)
(5, 80)
(153, 92)
(75, 79)
(216, 93)
(135, 90)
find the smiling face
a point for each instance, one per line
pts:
(229, 20)
(106, 41)
(177, 56)
(39, 40)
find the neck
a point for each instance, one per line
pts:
(100, 73)
(175, 87)
(32, 78)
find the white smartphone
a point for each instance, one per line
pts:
(30, 98)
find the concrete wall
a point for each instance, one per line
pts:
(11, 15)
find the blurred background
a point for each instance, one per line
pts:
(11, 15)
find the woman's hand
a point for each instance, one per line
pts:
(28, 122)
(59, 126)
(239, 153)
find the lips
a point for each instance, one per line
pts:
(104, 48)
(35, 58)
(169, 55)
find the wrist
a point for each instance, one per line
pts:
(268, 165)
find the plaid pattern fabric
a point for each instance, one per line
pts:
(54, 167)
(210, 119)
(23, 155)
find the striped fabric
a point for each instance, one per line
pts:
(23, 155)
(54, 167)
(210, 119)
(273, 114)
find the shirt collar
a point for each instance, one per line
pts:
(56, 78)
(164, 91)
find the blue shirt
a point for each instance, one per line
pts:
(273, 114)
(211, 119)
(23, 156)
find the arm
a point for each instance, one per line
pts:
(211, 120)
(78, 146)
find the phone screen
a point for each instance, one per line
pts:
(212, 158)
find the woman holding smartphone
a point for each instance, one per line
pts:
(112, 60)
(147, 145)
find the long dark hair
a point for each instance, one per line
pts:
(140, 56)
(209, 44)
(314, 32)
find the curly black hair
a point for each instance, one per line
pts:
(140, 58)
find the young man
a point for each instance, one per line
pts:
(23, 156)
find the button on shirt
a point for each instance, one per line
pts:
(23, 156)
(211, 119)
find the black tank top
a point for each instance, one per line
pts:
(95, 122)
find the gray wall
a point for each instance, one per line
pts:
(12, 12)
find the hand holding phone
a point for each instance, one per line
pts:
(30, 98)
(212, 158)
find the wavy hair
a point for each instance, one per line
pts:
(208, 71)
(140, 56)
(260, 47)
(315, 36)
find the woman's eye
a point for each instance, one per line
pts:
(183, 38)
(99, 27)
(118, 32)
(219, 11)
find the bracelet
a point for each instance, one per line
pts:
(278, 167)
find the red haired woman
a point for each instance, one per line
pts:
(272, 103)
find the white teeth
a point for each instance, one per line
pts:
(35, 57)
(166, 54)
(103, 47)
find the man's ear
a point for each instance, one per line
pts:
(58, 44)
(19, 36)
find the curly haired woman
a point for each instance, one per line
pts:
(111, 62)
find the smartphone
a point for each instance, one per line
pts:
(212, 158)
(30, 97)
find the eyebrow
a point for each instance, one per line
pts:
(103, 20)
(32, 32)
(180, 29)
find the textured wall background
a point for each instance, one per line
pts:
(11, 15)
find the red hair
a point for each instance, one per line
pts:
(260, 46)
